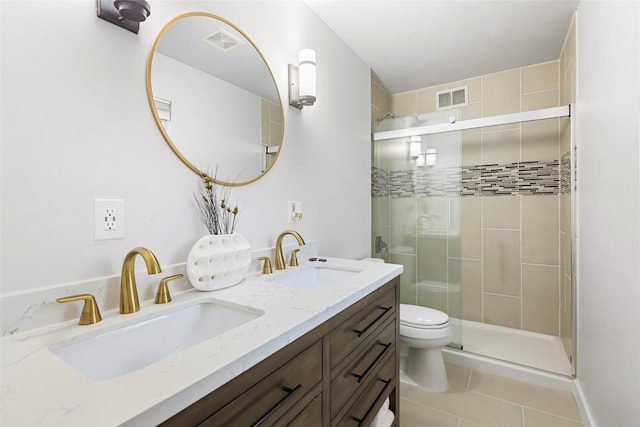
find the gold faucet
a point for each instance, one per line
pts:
(128, 290)
(279, 256)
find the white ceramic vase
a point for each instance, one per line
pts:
(218, 261)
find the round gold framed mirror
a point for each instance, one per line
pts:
(214, 98)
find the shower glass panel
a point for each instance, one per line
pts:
(416, 212)
(481, 220)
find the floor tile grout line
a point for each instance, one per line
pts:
(471, 421)
(409, 393)
(522, 408)
(498, 399)
(438, 409)
(546, 412)
(553, 414)
(516, 403)
(460, 419)
(457, 415)
(412, 393)
(490, 396)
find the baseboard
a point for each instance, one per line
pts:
(583, 406)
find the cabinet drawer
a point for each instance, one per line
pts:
(359, 370)
(370, 401)
(270, 398)
(357, 328)
(309, 416)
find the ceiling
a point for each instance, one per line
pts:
(216, 48)
(415, 44)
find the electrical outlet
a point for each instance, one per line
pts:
(108, 219)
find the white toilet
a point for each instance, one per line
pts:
(425, 331)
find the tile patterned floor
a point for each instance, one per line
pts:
(479, 399)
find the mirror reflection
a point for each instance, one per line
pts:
(214, 98)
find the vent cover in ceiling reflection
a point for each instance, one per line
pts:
(223, 40)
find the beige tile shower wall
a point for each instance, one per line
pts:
(505, 262)
(271, 129)
(380, 102)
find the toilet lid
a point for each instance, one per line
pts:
(421, 317)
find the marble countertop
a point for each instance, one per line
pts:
(40, 389)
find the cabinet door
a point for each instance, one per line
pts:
(270, 398)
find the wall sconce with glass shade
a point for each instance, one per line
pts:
(430, 157)
(127, 14)
(422, 158)
(415, 147)
(302, 80)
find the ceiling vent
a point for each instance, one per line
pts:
(451, 98)
(223, 40)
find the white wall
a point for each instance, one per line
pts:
(608, 97)
(76, 126)
(203, 128)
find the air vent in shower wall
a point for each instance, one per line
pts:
(451, 98)
(223, 40)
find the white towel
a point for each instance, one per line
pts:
(379, 420)
(387, 419)
(385, 405)
(383, 419)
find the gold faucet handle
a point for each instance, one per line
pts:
(293, 262)
(163, 296)
(90, 312)
(266, 268)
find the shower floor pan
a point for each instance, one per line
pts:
(530, 349)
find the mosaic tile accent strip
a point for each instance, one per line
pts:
(538, 178)
(438, 182)
(401, 184)
(379, 182)
(498, 180)
(520, 178)
(565, 174)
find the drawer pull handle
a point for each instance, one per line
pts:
(290, 392)
(366, 414)
(366, 371)
(363, 331)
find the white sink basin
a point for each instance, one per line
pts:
(116, 352)
(316, 276)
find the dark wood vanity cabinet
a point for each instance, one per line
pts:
(338, 374)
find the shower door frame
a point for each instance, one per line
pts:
(505, 119)
(521, 117)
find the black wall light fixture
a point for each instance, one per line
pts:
(127, 14)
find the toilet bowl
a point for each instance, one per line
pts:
(425, 331)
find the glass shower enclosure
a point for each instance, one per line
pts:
(479, 214)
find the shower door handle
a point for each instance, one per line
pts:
(381, 244)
